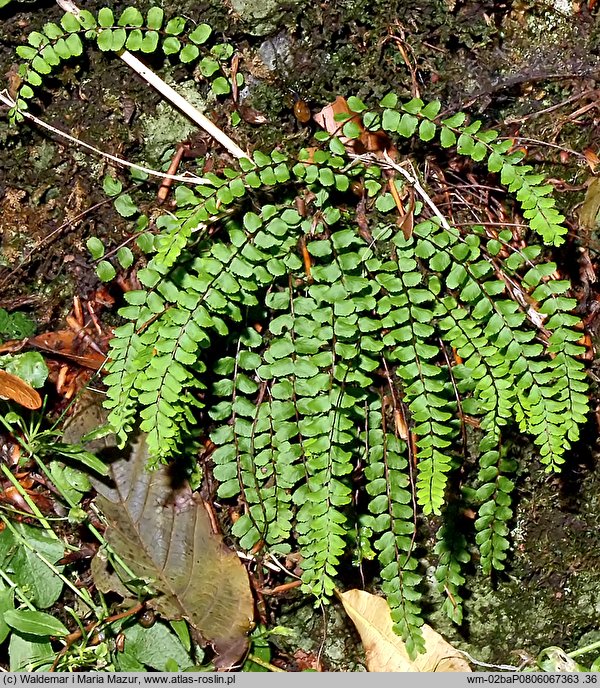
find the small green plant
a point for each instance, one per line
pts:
(33, 577)
(15, 325)
(125, 206)
(300, 407)
(259, 656)
(330, 361)
(29, 366)
(555, 659)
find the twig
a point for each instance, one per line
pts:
(76, 635)
(187, 178)
(504, 667)
(278, 589)
(537, 142)
(419, 189)
(578, 96)
(165, 187)
(168, 92)
(518, 79)
(250, 557)
(262, 663)
(280, 566)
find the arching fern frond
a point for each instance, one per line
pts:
(57, 43)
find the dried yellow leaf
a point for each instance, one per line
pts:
(385, 650)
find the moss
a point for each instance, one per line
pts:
(262, 17)
(324, 633)
(167, 126)
(550, 593)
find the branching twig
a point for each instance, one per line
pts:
(169, 93)
(413, 181)
(545, 111)
(537, 142)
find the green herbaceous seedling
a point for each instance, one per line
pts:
(15, 325)
(33, 577)
(309, 367)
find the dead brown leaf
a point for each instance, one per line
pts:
(15, 389)
(326, 118)
(406, 220)
(592, 158)
(368, 142)
(385, 650)
(66, 343)
(362, 220)
(252, 116)
(591, 205)
(162, 531)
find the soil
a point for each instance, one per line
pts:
(502, 60)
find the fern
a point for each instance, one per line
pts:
(394, 522)
(56, 43)
(452, 550)
(339, 361)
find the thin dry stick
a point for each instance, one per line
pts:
(168, 92)
(577, 96)
(187, 178)
(413, 181)
(537, 142)
(503, 667)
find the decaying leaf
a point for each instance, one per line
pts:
(326, 118)
(385, 650)
(591, 205)
(368, 142)
(162, 532)
(106, 578)
(66, 343)
(556, 659)
(406, 219)
(15, 389)
(88, 415)
(592, 158)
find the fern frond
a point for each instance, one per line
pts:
(121, 398)
(494, 497)
(452, 550)
(181, 315)
(329, 406)
(393, 520)
(409, 303)
(57, 43)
